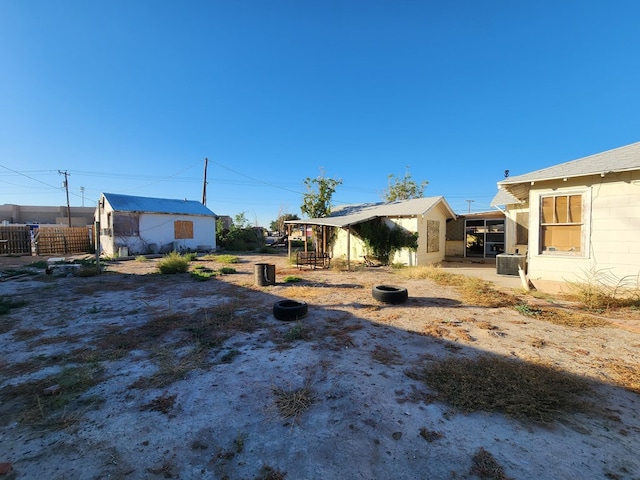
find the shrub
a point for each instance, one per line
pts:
(173, 263)
(227, 270)
(601, 289)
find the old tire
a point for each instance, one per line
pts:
(390, 294)
(289, 310)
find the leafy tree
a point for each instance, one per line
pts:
(403, 188)
(240, 237)
(316, 202)
(278, 224)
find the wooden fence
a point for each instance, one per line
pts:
(15, 240)
(18, 240)
(56, 240)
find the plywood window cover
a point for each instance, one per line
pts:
(433, 236)
(183, 229)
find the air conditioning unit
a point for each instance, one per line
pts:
(507, 264)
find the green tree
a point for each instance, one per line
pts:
(403, 188)
(316, 202)
(278, 224)
(241, 237)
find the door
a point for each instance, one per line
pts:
(484, 237)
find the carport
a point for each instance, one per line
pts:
(343, 221)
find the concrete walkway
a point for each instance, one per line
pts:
(484, 269)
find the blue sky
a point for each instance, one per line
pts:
(131, 96)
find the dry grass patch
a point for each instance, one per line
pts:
(474, 290)
(526, 391)
(438, 275)
(163, 404)
(291, 403)
(560, 316)
(484, 325)
(171, 368)
(53, 401)
(430, 435)
(26, 334)
(304, 292)
(386, 355)
(626, 375)
(537, 342)
(486, 467)
(340, 333)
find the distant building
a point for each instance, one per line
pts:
(138, 225)
(42, 215)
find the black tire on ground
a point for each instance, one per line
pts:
(289, 310)
(390, 294)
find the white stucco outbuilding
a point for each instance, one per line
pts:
(140, 225)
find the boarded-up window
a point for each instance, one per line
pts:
(433, 236)
(182, 229)
(522, 228)
(561, 224)
(126, 225)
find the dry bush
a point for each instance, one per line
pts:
(600, 289)
(492, 384)
(291, 403)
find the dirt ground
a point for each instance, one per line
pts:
(177, 378)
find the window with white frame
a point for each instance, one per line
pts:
(562, 224)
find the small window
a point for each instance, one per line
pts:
(183, 229)
(125, 225)
(561, 224)
(522, 228)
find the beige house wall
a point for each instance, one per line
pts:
(611, 214)
(404, 256)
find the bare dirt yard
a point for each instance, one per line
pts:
(136, 375)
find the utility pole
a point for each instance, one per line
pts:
(469, 202)
(204, 183)
(66, 186)
(82, 191)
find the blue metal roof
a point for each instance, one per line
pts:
(129, 203)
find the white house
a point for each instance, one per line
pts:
(138, 225)
(576, 219)
(425, 216)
